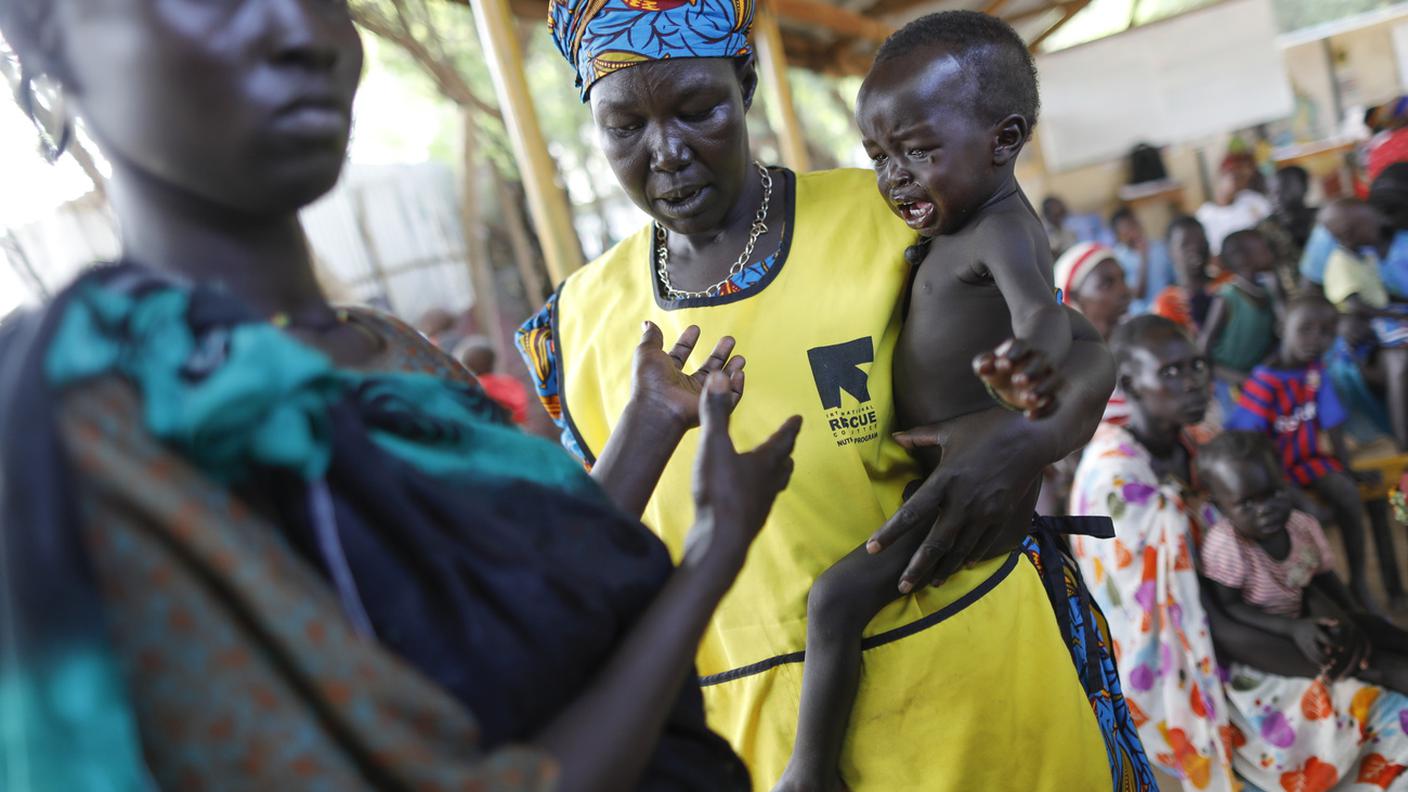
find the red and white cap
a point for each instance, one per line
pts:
(1077, 263)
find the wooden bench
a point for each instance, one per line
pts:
(1375, 495)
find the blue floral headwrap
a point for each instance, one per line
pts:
(599, 37)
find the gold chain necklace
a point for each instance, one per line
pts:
(760, 227)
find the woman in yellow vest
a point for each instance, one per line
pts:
(967, 685)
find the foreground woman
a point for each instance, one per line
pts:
(235, 557)
(1265, 714)
(808, 272)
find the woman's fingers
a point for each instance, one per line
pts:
(715, 404)
(916, 513)
(717, 358)
(999, 532)
(966, 533)
(937, 546)
(684, 347)
(780, 445)
(923, 437)
(734, 371)
(651, 338)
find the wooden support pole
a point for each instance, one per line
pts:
(546, 200)
(476, 253)
(772, 60)
(1066, 16)
(524, 257)
(833, 18)
(1041, 10)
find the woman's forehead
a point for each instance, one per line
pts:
(1109, 267)
(1164, 348)
(667, 81)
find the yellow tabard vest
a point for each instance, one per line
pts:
(965, 687)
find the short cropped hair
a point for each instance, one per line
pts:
(1234, 247)
(1237, 447)
(1001, 73)
(1296, 171)
(1308, 299)
(1137, 332)
(1389, 192)
(1392, 181)
(1184, 223)
(1122, 213)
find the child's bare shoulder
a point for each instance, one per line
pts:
(1012, 235)
(1004, 235)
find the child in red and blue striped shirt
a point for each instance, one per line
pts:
(1291, 400)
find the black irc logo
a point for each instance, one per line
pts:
(837, 370)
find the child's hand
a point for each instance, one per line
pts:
(1337, 646)
(1020, 376)
(1317, 639)
(658, 379)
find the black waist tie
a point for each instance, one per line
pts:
(1049, 534)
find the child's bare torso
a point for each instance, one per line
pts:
(957, 312)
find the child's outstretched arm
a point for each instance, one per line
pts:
(1317, 639)
(1016, 268)
(1381, 633)
(1329, 585)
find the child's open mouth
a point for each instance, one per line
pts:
(916, 214)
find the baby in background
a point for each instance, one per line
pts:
(1272, 569)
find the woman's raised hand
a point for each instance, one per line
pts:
(734, 492)
(659, 380)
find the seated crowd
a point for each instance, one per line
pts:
(1260, 400)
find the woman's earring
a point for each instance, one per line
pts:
(49, 116)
